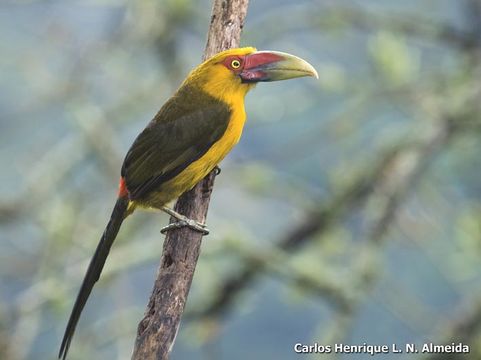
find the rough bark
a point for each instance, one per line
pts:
(157, 330)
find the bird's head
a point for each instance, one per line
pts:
(234, 72)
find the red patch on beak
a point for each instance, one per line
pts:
(259, 59)
(255, 66)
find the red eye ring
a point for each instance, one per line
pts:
(234, 63)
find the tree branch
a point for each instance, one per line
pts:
(157, 330)
(465, 328)
(317, 222)
(370, 182)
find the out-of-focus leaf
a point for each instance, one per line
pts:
(393, 58)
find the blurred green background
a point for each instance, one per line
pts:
(350, 211)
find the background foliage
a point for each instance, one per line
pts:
(350, 211)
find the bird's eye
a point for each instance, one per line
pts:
(235, 64)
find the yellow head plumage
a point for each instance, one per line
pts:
(218, 78)
(231, 73)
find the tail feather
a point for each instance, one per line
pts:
(96, 265)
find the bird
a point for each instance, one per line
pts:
(186, 140)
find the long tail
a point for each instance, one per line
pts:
(95, 268)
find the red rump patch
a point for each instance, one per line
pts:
(122, 188)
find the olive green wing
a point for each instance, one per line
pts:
(172, 141)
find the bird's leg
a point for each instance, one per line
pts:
(182, 222)
(216, 170)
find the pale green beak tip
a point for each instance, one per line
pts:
(288, 67)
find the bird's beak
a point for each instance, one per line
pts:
(274, 66)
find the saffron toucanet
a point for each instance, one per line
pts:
(194, 130)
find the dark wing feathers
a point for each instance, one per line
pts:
(183, 130)
(176, 137)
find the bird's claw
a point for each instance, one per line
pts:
(192, 224)
(216, 170)
(183, 221)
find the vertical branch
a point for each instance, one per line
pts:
(157, 330)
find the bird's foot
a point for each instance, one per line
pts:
(216, 170)
(183, 221)
(194, 225)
